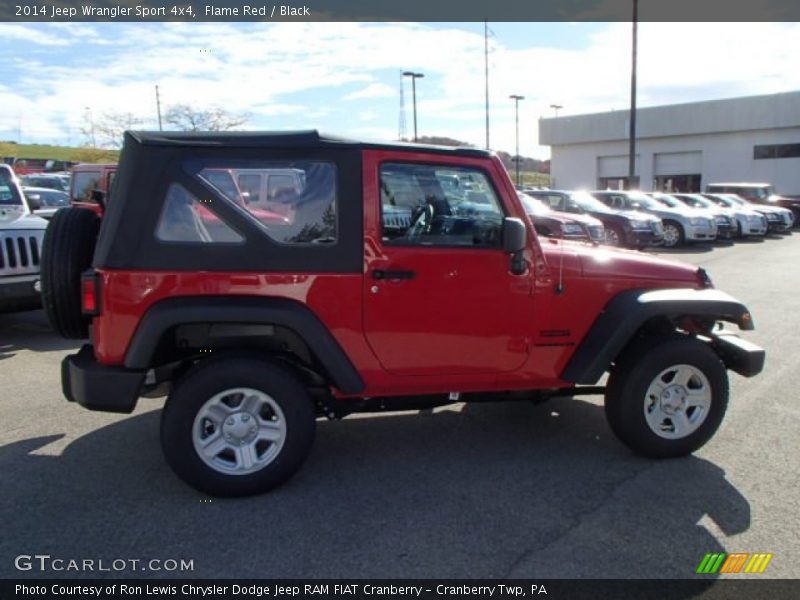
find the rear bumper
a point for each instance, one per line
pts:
(99, 387)
(741, 356)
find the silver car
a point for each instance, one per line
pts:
(778, 218)
(681, 223)
(748, 221)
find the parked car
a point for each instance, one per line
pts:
(758, 193)
(552, 223)
(334, 313)
(44, 180)
(779, 219)
(21, 236)
(632, 229)
(724, 217)
(681, 225)
(44, 202)
(749, 222)
(90, 185)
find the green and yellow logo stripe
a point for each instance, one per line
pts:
(737, 562)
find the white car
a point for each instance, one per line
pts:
(749, 221)
(21, 236)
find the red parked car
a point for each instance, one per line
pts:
(384, 288)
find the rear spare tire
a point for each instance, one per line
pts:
(66, 253)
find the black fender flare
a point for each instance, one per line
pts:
(625, 314)
(244, 309)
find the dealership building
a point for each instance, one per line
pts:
(680, 147)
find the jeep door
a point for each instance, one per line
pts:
(439, 297)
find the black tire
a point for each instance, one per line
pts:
(680, 238)
(626, 399)
(615, 237)
(67, 252)
(181, 425)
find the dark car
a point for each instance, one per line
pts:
(551, 223)
(758, 193)
(44, 180)
(44, 202)
(631, 229)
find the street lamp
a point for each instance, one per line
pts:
(556, 108)
(414, 77)
(516, 100)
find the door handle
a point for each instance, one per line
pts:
(381, 274)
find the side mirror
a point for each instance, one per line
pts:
(34, 201)
(99, 197)
(515, 237)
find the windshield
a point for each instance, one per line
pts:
(669, 201)
(9, 194)
(587, 202)
(533, 206)
(643, 200)
(698, 202)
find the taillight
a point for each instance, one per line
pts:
(90, 293)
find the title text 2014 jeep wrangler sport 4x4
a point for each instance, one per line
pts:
(366, 285)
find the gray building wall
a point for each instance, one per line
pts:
(723, 132)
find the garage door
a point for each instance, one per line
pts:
(613, 166)
(678, 163)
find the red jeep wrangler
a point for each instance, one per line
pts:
(381, 288)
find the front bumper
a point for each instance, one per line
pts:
(18, 290)
(700, 233)
(99, 387)
(741, 356)
(643, 238)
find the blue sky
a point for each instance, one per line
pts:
(344, 78)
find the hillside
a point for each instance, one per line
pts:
(65, 153)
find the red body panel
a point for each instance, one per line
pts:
(463, 323)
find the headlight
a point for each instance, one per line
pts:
(756, 219)
(640, 225)
(697, 222)
(571, 228)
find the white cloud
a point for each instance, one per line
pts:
(301, 75)
(373, 90)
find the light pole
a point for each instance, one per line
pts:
(516, 100)
(414, 77)
(632, 139)
(91, 125)
(556, 108)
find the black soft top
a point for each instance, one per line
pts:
(285, 139)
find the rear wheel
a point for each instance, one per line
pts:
(237, 426)
(67, 252)
(667, 398)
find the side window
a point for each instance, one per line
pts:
(83, 182)
(185, 219)
(298, 208)
(436, 205)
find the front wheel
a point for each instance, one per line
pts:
(237, 426)
(673, 234)
(614, 237)
(666, 398)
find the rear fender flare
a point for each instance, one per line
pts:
(167, 314)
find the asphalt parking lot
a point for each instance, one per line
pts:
(509, 490)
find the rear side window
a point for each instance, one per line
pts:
(83, 182)
(292, 203)
(185, 219)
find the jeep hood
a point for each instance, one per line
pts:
(16, 217)
(610, 263)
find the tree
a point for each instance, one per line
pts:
(186, 118)
(106, 132)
